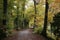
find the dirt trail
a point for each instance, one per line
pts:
(25, 35)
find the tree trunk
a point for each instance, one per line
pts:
(45, 20)
(4, 11)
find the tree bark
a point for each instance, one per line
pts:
(45, 20)
(4, 11)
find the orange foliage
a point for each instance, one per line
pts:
(57, 1)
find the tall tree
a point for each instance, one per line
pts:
(45, 20)
(4, 11)
(3, 27)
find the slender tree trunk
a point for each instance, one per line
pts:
(35, 9)
(45, 20)
(23, 11)
(17, 16)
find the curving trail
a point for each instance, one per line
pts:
(25, 35)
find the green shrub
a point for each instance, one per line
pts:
(38, 30)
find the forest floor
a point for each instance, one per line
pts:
(26, 34)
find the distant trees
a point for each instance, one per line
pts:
(9, 11)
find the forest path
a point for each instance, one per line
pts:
(26, 34)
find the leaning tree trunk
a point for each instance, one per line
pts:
(45, 20)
